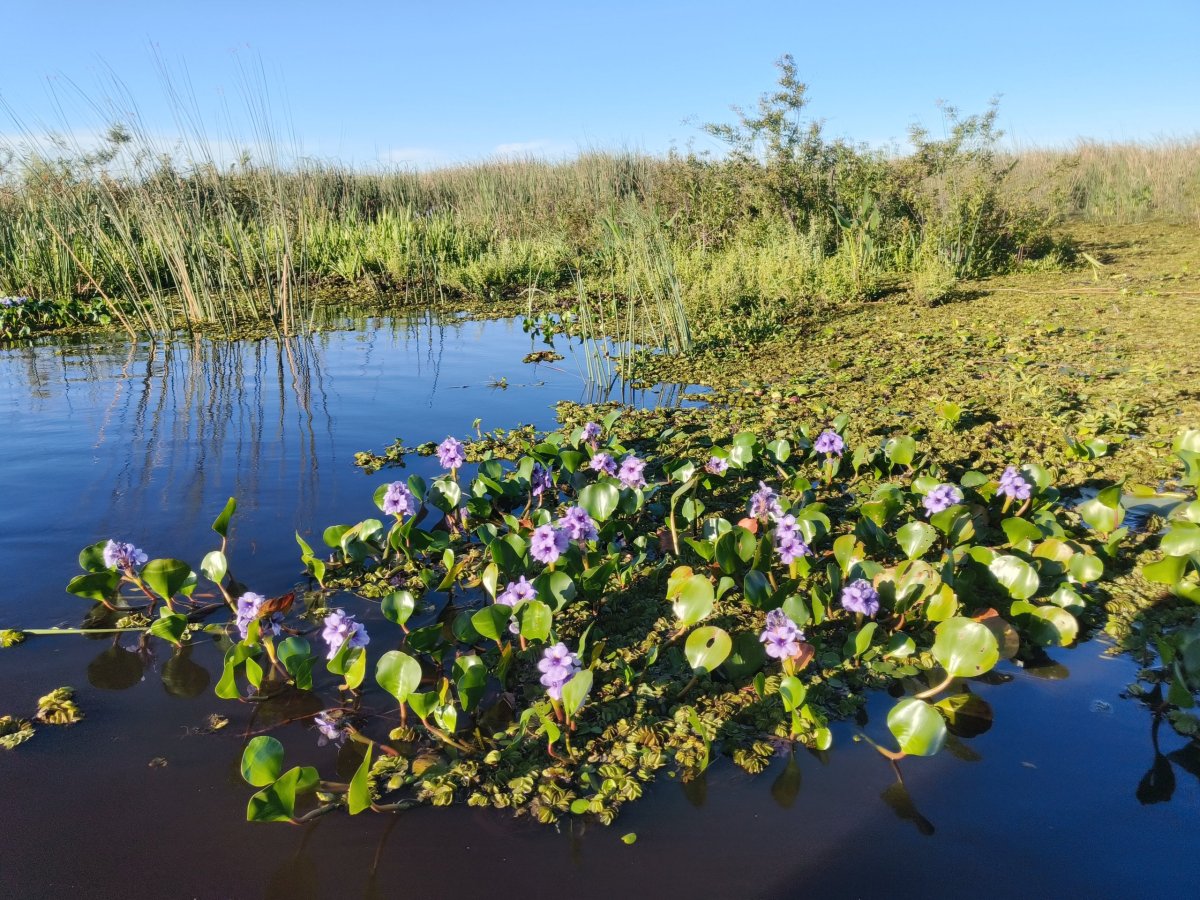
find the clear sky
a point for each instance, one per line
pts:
(433, 82)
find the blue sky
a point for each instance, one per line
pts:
(429, 83)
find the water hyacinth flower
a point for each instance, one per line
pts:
(541, 479)
(13, 301)
(1013, 485)
(764, 503)
(341, 629)
(591, 433)
(331, 731)
(716, 466)
(248, 607)
(451, 453)
(399, 500)
(781, 638)
(829, 442)
(860, 597)
(941, 497)
(602, 462)
(548, 543)
(119, 555)
(578, 525)
(516, 592)
(631, 471)
(788, 543)
(558, 665)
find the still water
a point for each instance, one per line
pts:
(1070, 791)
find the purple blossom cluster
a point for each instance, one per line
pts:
(603, 462)
(548, 543)
(578, 525)
(781, 638)
(941, 498)
(340, 629)
(13, 301)
(248, 607)
(1014, 485)
(517, 592)
(631, 472)
(591, 433)
(399, 500)
(860, 597)
(451, 453)
(716, 465)
(558, 665)
(119, 555)
(788, 543)
(764, 503)
(330, 728)
(830, 443)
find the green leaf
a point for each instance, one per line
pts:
(629, 838)
(575, 691)
(98, 586)
(398, 606)
(423, 704)
(1049, 626)
(262, 760)
(900, 451)
(793, 692)
(1085, 568)
(398, 674)
(445, 494)
(918, 728)
(1104, 512)
(707, 647)
(221, 524)
(91, 558)
(358, 797)
(965, 648)
(916, 538)
(214, 566)
(1020, 531)
(1182, 540)
(170, 627)
(277, 802)
(1018, 577)
(492, 621)
(1167, 570)
(534, 620)
(166, 577)
(600, 499)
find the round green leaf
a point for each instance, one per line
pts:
(918, 728)
(398, 606)
(214, 566)
(1016, 575)
(916, 538)
(707, 648)
(398, 674)
(262, 760)
(600, 499)
(166, 577)
(965, 648)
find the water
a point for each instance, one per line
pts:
(1063, 794)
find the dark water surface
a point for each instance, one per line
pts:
(1064, 795)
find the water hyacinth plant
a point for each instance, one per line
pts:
(630, 619)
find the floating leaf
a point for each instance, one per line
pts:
(398, 674)
(707, 647)
(1018, 577)
(262, 760)
(965, 648)
(918, 728)
(916, 538)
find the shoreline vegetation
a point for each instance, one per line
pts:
(665, 251)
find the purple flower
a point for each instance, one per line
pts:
(716, 465)
(558, 665)
(1013, 485)
(859, 597)
(578, 525)
(248, 606)
(602, 462)
(781, 637)
(450, 453)
(788, 543)
(591, 433)
(340, 629)
(331, 730)
(118, 555)
(630, 472)
(541, 478)
(547, 544)
(765, 503)
(516, 592)
(941, 497)
(829, 442)
(399, 500)
(13, 301)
